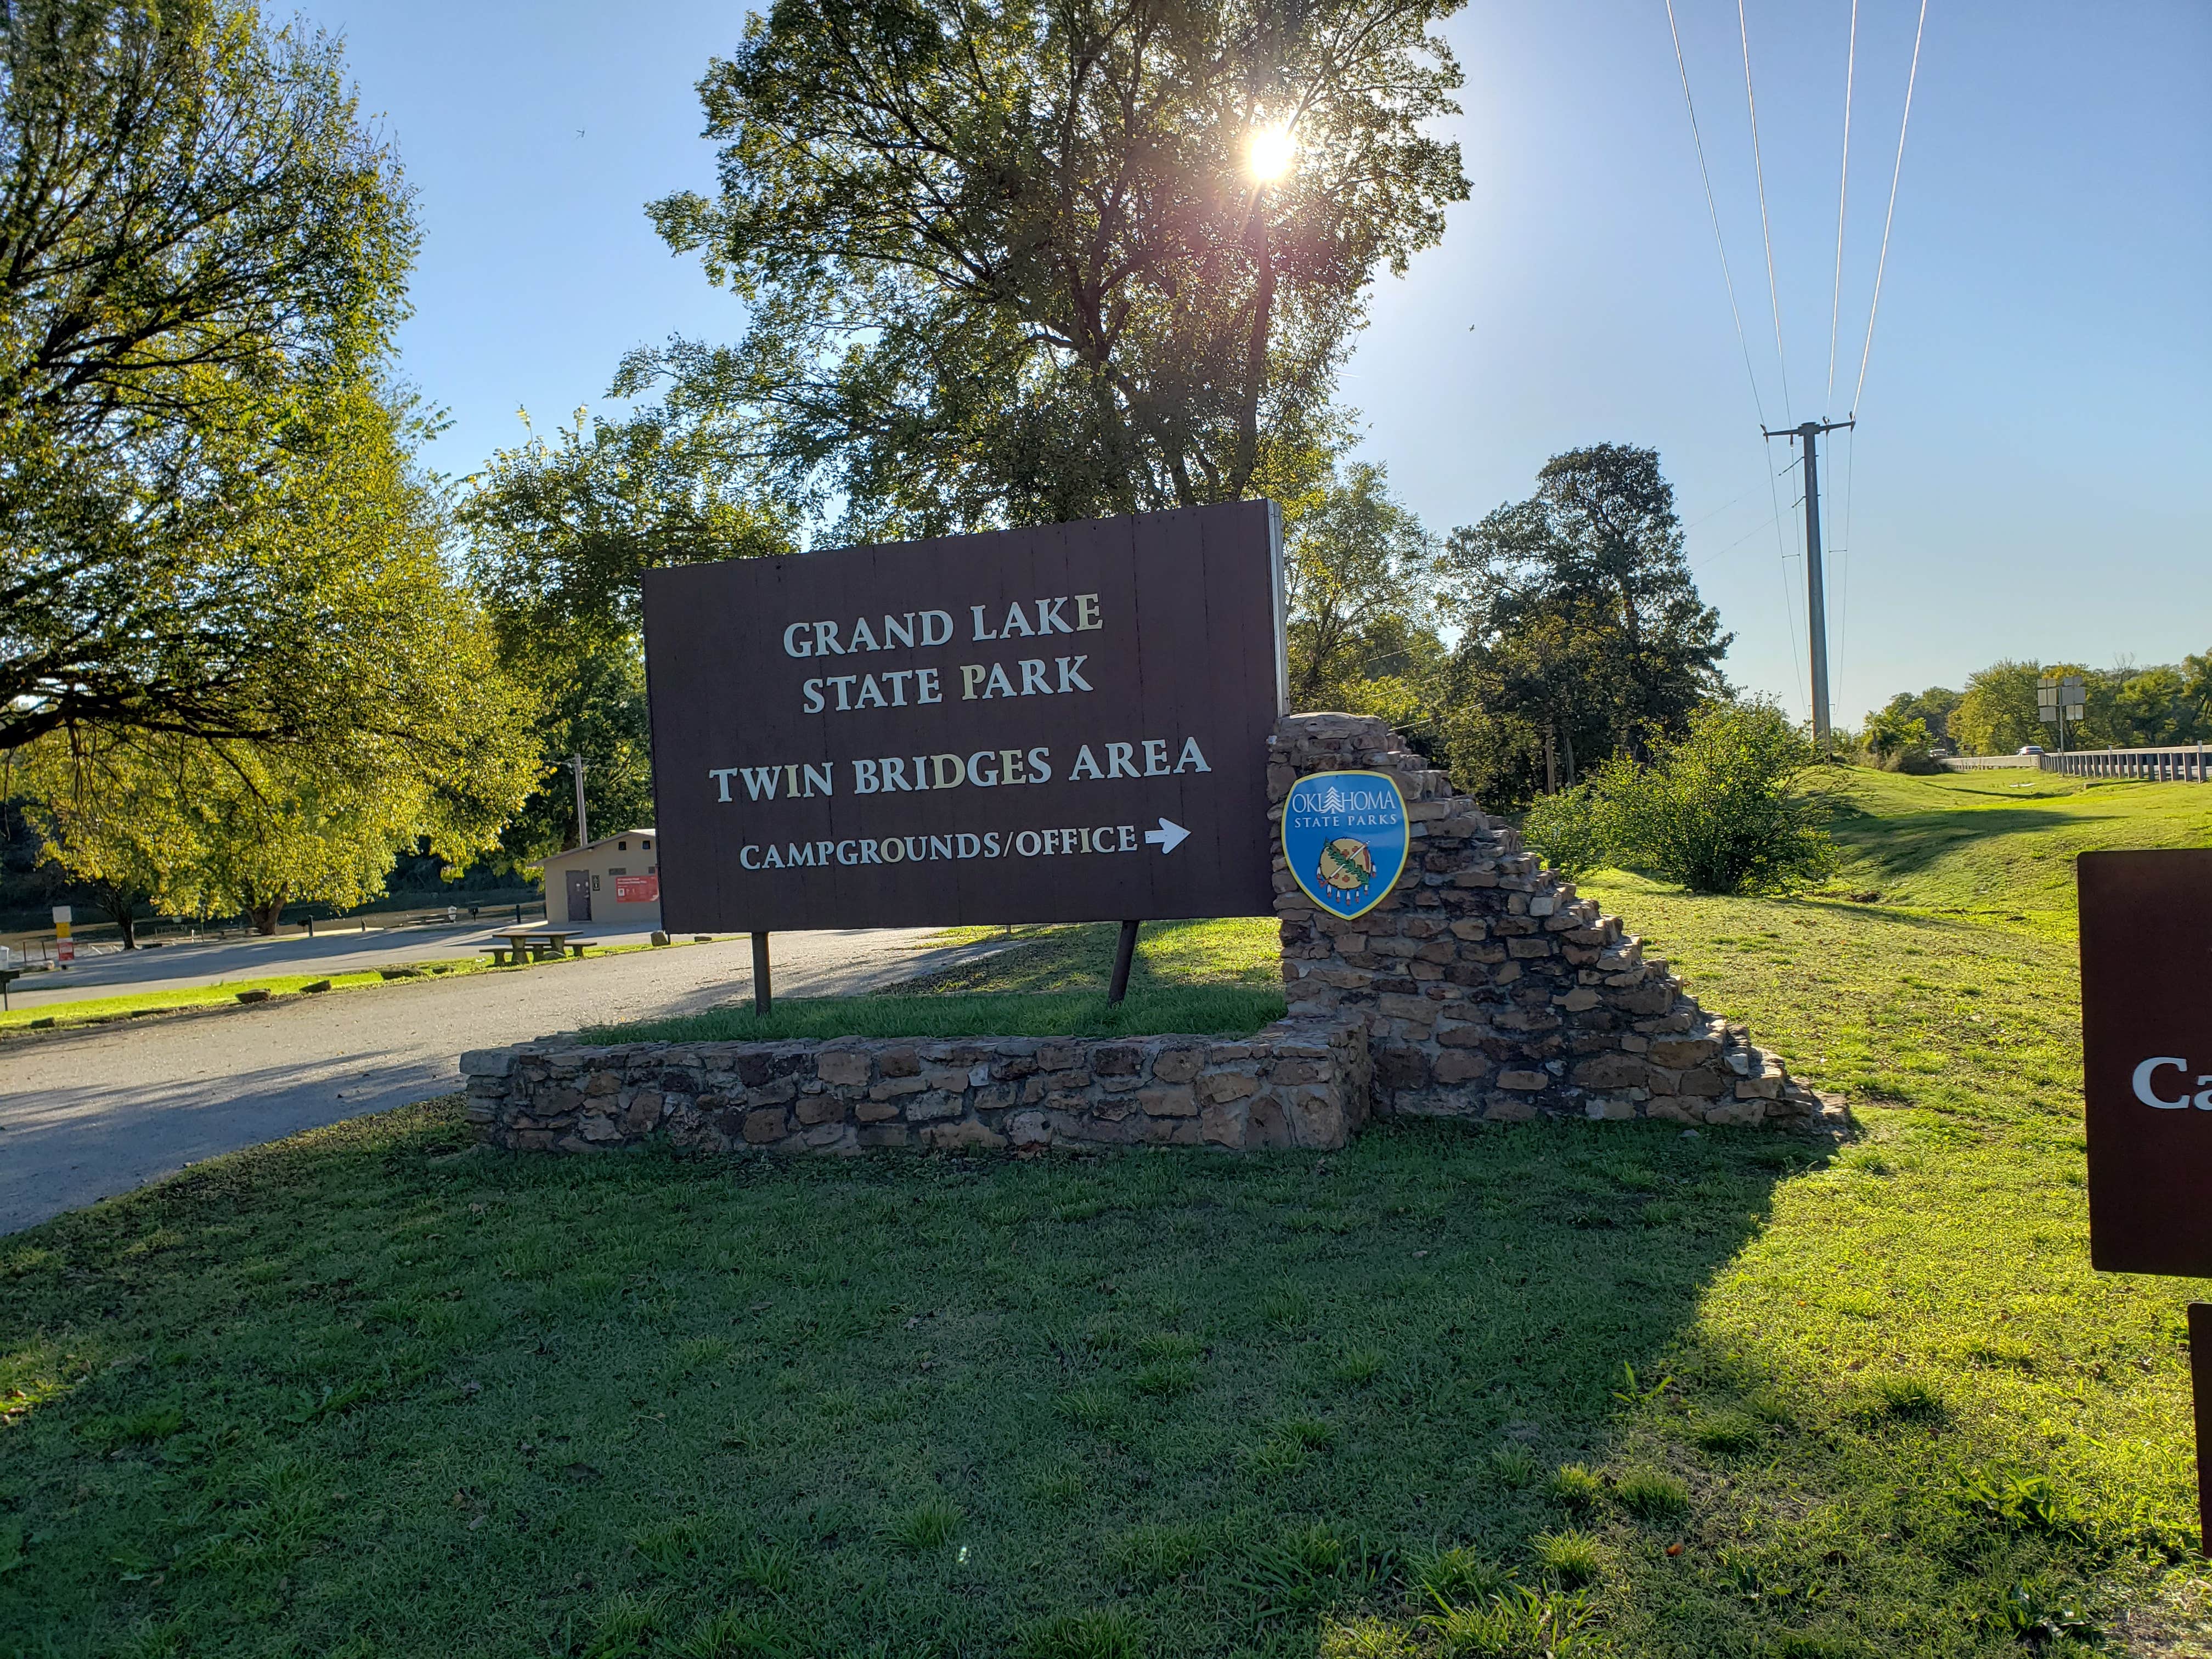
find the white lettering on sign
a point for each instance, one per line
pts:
(904, 632)
(1073, 840)
(2147, 1085)
(1050, 618)
(986, 769)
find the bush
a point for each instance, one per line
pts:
(1724, 810)
(1573, 831)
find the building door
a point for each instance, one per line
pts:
(580, 895)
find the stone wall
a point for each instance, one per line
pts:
(1488, 988)
(1483, 987)
(1299, 1082)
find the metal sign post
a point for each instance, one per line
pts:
(2060, 699)
(2147, 1083)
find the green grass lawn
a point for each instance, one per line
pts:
(369, 1391)
(92, 1011)
(1999, 846)
(95, 1011)
(1214, 978)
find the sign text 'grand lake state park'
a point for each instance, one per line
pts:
(1065, 723)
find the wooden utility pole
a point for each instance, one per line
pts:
(1816, 597)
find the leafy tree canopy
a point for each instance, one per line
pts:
(2126, 707)
(201, 827)
(202, 256)
(560, 531)
(1933, 709)
(1007, 262)
(1360, 580)
(1578, 617)
(594, 706)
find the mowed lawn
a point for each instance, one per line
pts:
(372, 1392)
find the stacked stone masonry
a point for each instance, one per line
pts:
(1300, 1082)
(1488, 987)
(1482, 987)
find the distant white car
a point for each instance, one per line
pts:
(2030, 749)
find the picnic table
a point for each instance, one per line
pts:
(534, 944)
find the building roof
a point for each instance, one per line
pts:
(592, 847)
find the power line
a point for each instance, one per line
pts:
(1715, 512)
(1743, 343)
(1851, 471)
(1882, 263)
(1843, 195)
(1699, 564)
(1714, 212)
(1767, 234)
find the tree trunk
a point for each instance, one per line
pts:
(1255, 356)
(121, 908)
(268, 917)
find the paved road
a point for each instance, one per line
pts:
(171, 967)
(88, 1113)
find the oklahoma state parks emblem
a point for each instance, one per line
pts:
(1344, 834)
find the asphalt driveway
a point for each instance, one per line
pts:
(84, 1114)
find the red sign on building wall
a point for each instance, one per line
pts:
(637, 890)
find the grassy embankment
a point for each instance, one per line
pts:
(366, 1392)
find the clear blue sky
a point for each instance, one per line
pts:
(2031, 476)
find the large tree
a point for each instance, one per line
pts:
(1580, 623)
(202, 255)
(1006, 261)
(1360, 580)
(208, 826)
(559, 529)
(1997, 714)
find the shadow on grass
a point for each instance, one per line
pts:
(1911, 843)
(1224, 1399)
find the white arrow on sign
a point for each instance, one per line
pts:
(1169, 837)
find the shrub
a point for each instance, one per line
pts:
(1573, 829)
(1896, 743)
(1725, 810)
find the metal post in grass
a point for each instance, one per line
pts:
(1125, 953)
(762, 995)
(2200, 1377)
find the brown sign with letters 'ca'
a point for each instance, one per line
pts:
(1065, 723)
(2147, 1059)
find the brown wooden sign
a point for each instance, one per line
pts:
(2147, 1059)
(1067, 723)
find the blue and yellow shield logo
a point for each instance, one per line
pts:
(1344, 834)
